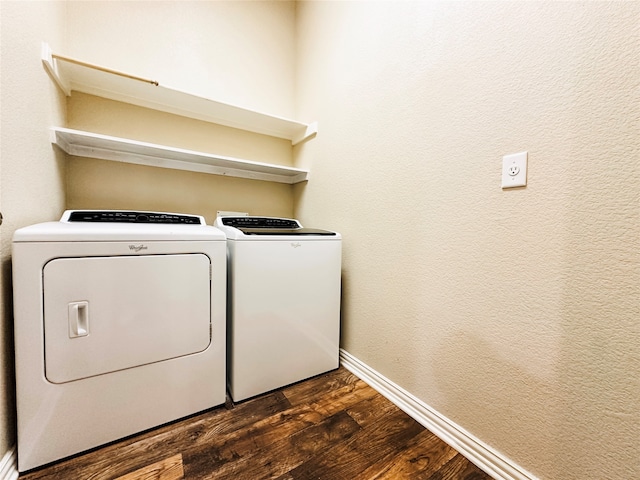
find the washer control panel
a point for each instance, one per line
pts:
(270, 226)
(260, 222)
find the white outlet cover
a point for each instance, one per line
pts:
(514, 170)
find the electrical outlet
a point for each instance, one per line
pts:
(514, 170)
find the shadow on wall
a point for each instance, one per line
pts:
(344, 299)
(7, 357)
(473, 378)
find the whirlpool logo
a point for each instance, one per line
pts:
(137, 248)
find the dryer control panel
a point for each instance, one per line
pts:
(127, 216)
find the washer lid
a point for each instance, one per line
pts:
(243, 227)
(285, 231)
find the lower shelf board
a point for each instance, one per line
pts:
(104, 147)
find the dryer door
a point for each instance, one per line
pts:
(103, 314)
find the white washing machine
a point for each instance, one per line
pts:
(119, 327)
(283, 302)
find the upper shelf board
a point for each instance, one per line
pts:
(93, 145)
(73, 75)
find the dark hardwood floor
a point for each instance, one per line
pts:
(330, 427)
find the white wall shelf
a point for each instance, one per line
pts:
(74, 75)
(104, 147)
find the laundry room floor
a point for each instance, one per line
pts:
(332, 427)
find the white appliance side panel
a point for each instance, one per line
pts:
(285, 304)
(104, 314)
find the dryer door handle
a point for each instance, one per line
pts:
(78, 319)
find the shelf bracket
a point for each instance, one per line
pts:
(51, 66)
(309, 132)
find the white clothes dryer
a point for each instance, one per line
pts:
(119, 327)
(283, 301)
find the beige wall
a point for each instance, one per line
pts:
(514, 313)
(236, 52)
(31, 185)
(102, 184)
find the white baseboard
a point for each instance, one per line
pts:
(479, 453)
(9, 465)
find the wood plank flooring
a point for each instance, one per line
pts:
(331, 427)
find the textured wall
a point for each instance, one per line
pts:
(105, 184)
(515, 313)
(236, 52)
(31, 185)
